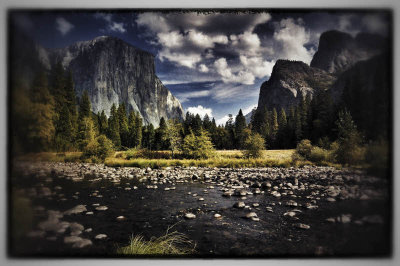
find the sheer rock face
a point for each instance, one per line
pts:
(114, 72)
(290, 81)
(338, 51)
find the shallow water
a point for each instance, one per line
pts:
(151, 212)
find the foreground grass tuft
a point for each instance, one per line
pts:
(170, 244)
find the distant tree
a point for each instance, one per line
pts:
(174, 135)
(161, 142)
(349, 139)
(64, 130)
(86, 132)
(282, 136)
(254, 145)
(135, 129)
(113, 127)
(84, 106)
(274, 128)
(198, 147)
(123, 125)
(148, 133)
(230, 129)
(103, 123)
(240, 126)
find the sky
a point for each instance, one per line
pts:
(213, 62)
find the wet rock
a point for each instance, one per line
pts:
(76, 210)
(228, 193)
(120, 218)
(330, 200)
(251, 215)
(89, 213)
(88, 230)
(102, 208)
(291, 203)
(239, 205)
(269, 209)
(201, 199)
(77, 242)
(290, 214)
(190, 216)
(302, 226)
(100, 236)
(255, 205)
(276, 194)
(217, 216)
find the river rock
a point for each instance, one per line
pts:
(102, 208)
(76, 210)
(100, 236)
(239, 204)
(190, 215)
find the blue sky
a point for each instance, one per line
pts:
(213, 63)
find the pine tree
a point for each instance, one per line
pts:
(113, 127)
(240, 125)
(148, 137)
(70, 100)
(282, 133)
(174, 136)
(123, 125)
(274, 128)
(64, 130)
(103, 123)
(58, 86)
(84, 106)
(230, 128)
(161, 142)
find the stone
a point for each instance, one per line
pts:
(190, 216)
(302, 226)
(120, 218)
(102, 208)
(217, 216)
(239, 205)
(76, 210)
(251, 215)
(89, 213)
(256, 205)
(201, 199)
(290, 214)
(100, 236)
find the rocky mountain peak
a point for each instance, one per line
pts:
(290, 82)
(338, 51)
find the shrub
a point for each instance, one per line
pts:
(98, 149)
(304, 148)
(197, 147)
(319, 155)
(254, 145)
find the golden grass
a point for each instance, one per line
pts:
(223, 159)
(169, 244)
(51, 157)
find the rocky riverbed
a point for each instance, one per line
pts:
(90, 210)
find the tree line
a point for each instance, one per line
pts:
(47, 116)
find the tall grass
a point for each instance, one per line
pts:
(169, 244)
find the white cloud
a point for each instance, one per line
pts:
(222, 68)
(204, 41)
(185, 96)
(111, 25)
(63, 26)
(154, 21)
(200, 110)
(187, 60)
(222, 120)
(203, 68)
(119, 27)
(171, 39)
(292, 36)
(104, 16)
(257, 66)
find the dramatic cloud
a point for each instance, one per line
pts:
(191, 40)
(111, 25)
(291, 36)
(186, 96)
(222, 120)
(200, 110)
(63, 26)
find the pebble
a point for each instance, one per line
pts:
(302, 226)
(217, 216)
(100, 236)
(102, 208)
(190, 216)
(120, 218)
(239, 205)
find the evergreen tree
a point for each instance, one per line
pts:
(123, 125)
(58, 86)
(64, 130)
(274, 127)
(113, 127)
(282, 133)
(148, 137)
(174, 135)
(70, 101)
(103, 123)
(230, 129)
(240, 126)
(84, 106)
(161, 142)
